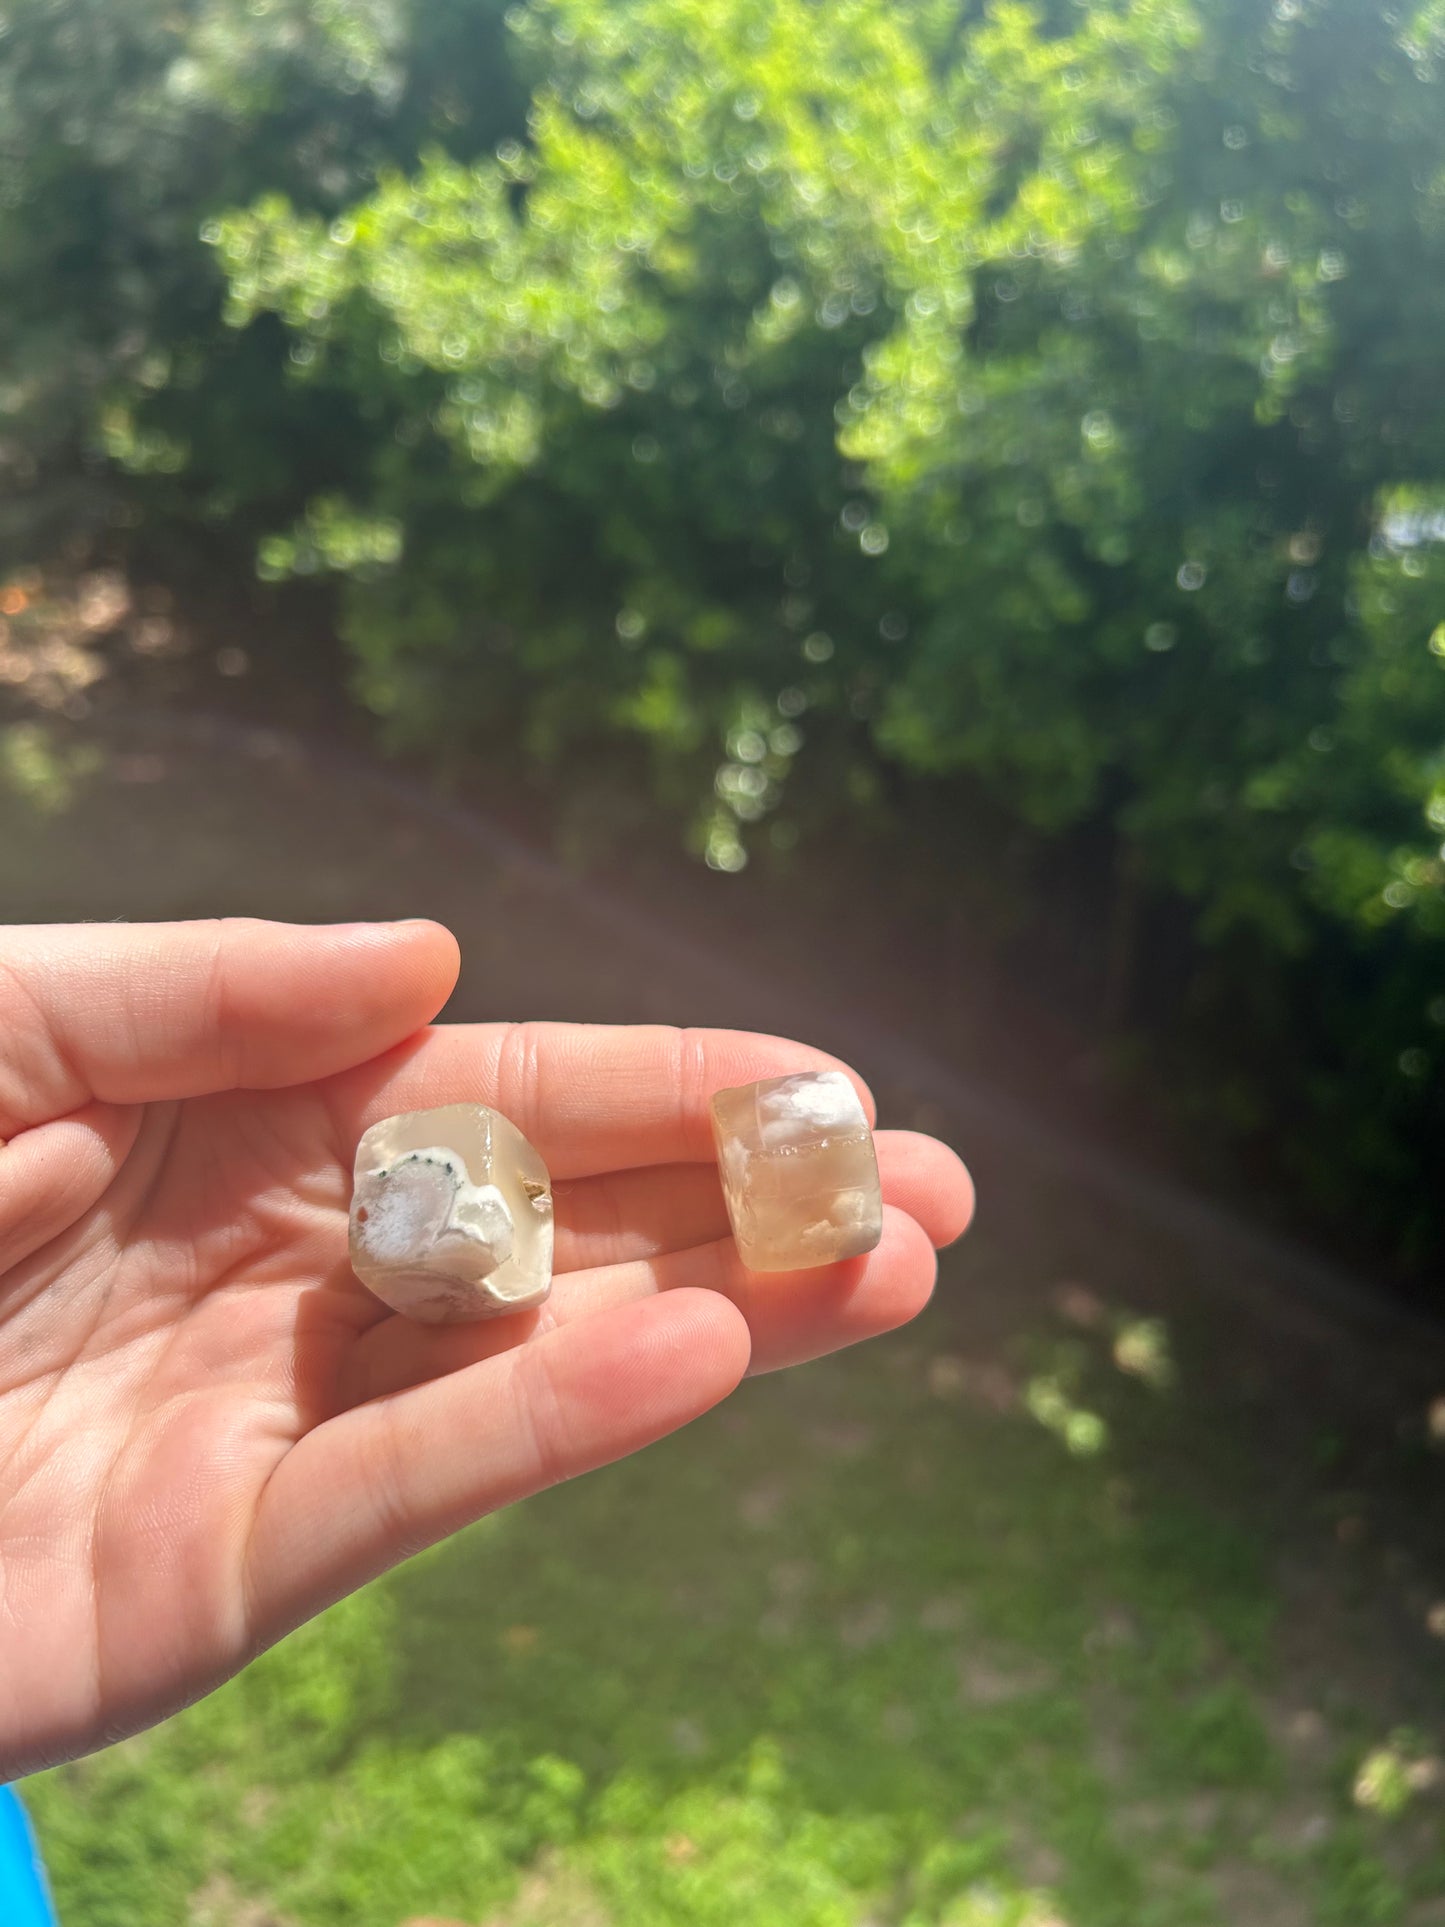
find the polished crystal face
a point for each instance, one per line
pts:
(451, 1215)
(799, 1171)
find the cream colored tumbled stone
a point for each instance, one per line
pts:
(799, 1171)
(451, 1215)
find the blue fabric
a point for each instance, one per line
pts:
(24, 1900)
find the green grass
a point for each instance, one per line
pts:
(866, 1646)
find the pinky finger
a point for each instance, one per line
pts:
(373, 1485)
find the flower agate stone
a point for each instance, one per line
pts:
(799, 1171)
(451, 1215)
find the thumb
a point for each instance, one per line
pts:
(128, 1013)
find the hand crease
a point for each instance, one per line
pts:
(53, 1038)
(213, 1009)
(534, 1389)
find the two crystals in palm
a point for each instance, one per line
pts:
(451, 1214)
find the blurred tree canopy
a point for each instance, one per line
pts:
(1048, 397)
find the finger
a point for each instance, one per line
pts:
(622, 1215)
(792, 1316)
(127, 1013)
(373, 1485)
(928, 1181)
(591, 1097)
(51, 1176)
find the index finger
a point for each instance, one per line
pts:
(591, 1097)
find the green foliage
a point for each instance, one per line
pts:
(125, 125)
(1043, 398)
(45, 773)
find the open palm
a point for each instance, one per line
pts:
(208, 1428)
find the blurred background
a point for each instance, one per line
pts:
(915, 524)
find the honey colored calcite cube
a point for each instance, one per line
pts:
(799, 1171)
(451, 1215)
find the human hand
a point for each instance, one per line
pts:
(208, 1428)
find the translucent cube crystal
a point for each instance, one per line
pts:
(799, 1171)
(451, 1215)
